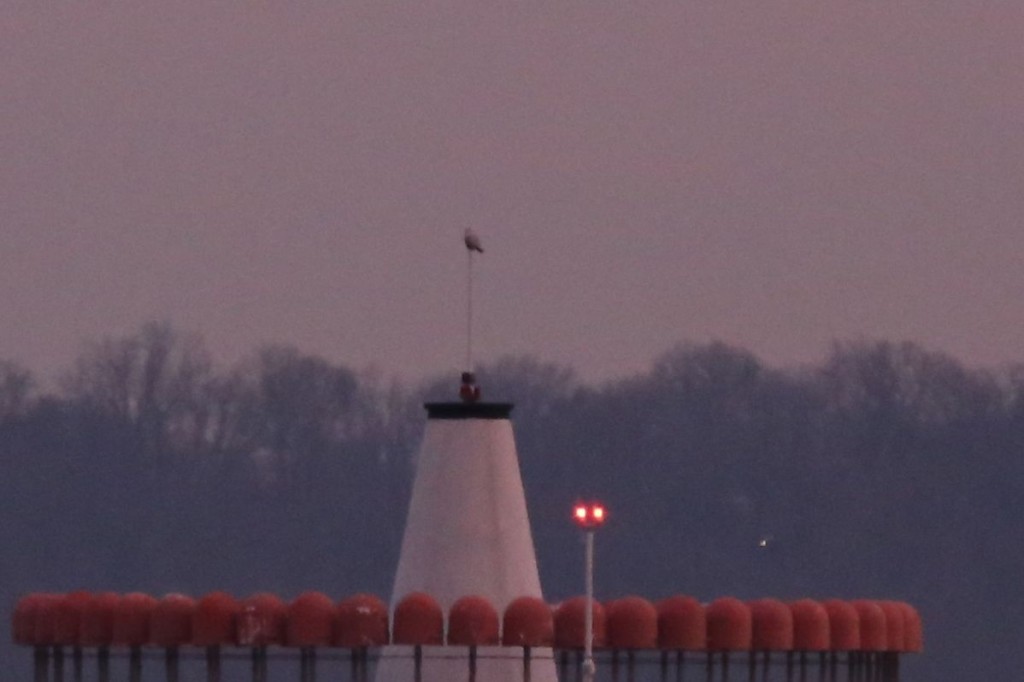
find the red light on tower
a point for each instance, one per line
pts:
(589, 515)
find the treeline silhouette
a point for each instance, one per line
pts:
(885, 471)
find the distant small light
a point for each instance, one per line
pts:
(598, 512)
(581, 513)
(763, 542)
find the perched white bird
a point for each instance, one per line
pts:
(472, 241)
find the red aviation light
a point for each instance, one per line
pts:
(589, 514)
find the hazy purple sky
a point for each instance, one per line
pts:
(772, 174)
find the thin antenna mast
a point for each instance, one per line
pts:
(469, 311)
(472, 242)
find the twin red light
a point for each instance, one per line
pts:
(589, 515)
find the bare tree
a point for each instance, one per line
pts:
(157, 381)
(16, 387)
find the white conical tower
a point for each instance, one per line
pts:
(468, 532)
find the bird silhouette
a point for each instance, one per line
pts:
(472, 241)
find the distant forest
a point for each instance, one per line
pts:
(886, 471)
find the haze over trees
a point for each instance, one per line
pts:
(886, 471)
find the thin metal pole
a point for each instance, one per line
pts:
(588, 612)
(527, 654)
(213, 664)
(364, 664)
(469, 312)
(76, 664)
(41, 664)
(171, 660)
(58, 664)
(418, 662)
(259, 664)
(103, 664)
(135, 664)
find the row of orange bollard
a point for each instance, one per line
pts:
(872, 633)
(314, 620)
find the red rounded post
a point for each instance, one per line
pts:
(895, 625)
(913, 640)
(873, 634)
(419, 620)
(528, 621)
(771, 625)
(632, 624)
(844, 625)
(131, 619)
(730, 626)
(171, 623)
(811, 631)
(310, 620)
(261, 620)
(46, 619)
(570, 624)
(68, 624)
(682, 624)
(23, 620)
(97, 627)
(472, 621)
(215, 620)
(362, 621)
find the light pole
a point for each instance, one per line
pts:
(589, 516)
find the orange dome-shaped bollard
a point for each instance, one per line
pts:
(261, 621)
(528, 621)
(682, 624)
(729, 624)
(23, 621)
(772, 625)
(632, 623)
(811, 630)
(45, 630)
(310, 620)
(419, 620)
(68, 618)
(873, 635)
(570, 624)
(844, 625)
(913, 640)
(97, 627)
(362, 621)
(171, 623)
(131, 619)
(895, 625)
(472, 621)
(215, 620)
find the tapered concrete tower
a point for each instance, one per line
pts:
(468, 532)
